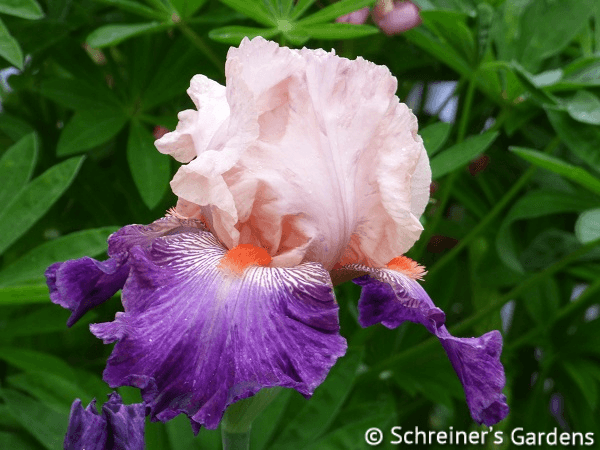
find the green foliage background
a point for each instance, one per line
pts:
(521, 226)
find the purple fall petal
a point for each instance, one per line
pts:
(391, 298)
(120, 427)
(195, 339)
(82, 284)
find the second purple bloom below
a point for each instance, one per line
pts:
(305, 168)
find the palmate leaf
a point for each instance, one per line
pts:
(254, 9)
(137, 8)
(32, 202)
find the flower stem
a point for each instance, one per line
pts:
(234, 440)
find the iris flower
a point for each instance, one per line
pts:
(303, 171)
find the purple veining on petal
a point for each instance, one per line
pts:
(195, 339)
(119, 427)
(391, 298)
(82, 284)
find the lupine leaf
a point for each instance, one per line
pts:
(32, 202)
(460, 154)
(151, 170)
(574, 173)
(115, 34)
(47, 425)
(253, 9)
(314, 418)
(234, 34)
(339, 30)
(26, 9)
(89, 128)
(434, 136)
(9, 47)
(31, 266)
(16, 167)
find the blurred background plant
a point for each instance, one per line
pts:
(507, 96)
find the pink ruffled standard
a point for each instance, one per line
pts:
(304, 168)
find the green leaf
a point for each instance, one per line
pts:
(75, 93)
(54, 391)
(41, 320)
(339, 30)
(186, 8)
(14, 127)
(581, 373)
(587, 227)
(26, 9)
(460, 154)
(425, 39)
(22, 295)
(34, 361)
(532, 205)
(14, 441)
(31, 266)
(301, 7)
(270, 421)
(34, 200)
(9, 47)
(90, 128)
(136, 8)
(151, 170)
(585, 107)
(321, 409)
(335, 10)
(573, 173)
(581, 73)
(234, 34)
(253, 9)
(47, 425)
(16, 167)
(582, 139)
(434, 136)
(114, 34)
(451, 29)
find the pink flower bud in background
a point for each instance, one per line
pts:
(397, 17)
(357, 17)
